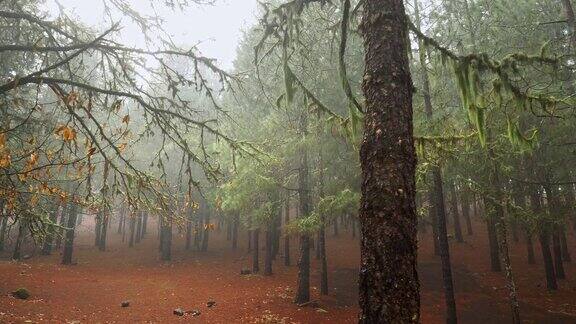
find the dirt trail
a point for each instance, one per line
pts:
(92, 290)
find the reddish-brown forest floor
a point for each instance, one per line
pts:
(92, 290)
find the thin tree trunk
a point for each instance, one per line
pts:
(69, 240)
(544, 239)
(564, 245)
(303, 282)
(97, 228)
(466, 213)
(3, 230)
(455, 214)
(388, 285)
(206, 233)
(492, 236)
(166, 240)
(235, 224)
(255, 250)
(553, 209)
(17, 254)
(286, 234)
(268, 251)
(138, 234)
(132, 231)
(189, 228)
(529, 247)
(50, 231)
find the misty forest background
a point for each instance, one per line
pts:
(392, 119)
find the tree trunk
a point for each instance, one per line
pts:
(492, 236)
(166, 240)
(132, 231)
(50, 231)
(466, 213)
(17, 254)
(544, 239)
(529, 247)
(388, 286)
(3, 230)
(564, 245)
(303, 283)
(97, 228)
(138, 234)
(144, 224)
(62, 223)
(104, 230)
(553, 208)
(206, 233)
(269, 251)
(255, 250)
(69, 240)
(286, 235)
(120, 221)
(235, 224)
(444, 247)
(455, 214)
(323, 258)
(189, 228)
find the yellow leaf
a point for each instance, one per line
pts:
(5, 160)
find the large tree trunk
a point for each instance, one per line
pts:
(303, 283)
(69, 239)
(389, 287)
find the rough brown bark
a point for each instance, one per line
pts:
(389, 287)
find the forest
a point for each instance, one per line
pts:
(343, 161)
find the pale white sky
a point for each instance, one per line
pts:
(217, 28)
